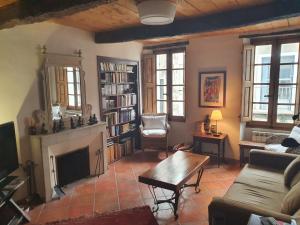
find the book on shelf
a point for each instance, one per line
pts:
(114, 89)
(121, 77)
(125, 100)
(122, 116)
(111, 67)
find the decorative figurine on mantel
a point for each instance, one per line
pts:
(43, 129)
(79, 121)
(73, 126)
(54, 127)
(61, 125)
(95, 120)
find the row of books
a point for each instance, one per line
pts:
(124, 100)
(121, 77)
(107, 66)
(113, 131)
(115, 151)
(115, 89)
(123, 116)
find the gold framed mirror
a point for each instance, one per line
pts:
(63, 86)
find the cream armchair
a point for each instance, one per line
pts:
(154, 130)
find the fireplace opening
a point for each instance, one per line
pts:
(73, 166)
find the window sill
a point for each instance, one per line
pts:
(283, 127)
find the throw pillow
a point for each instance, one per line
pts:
(291, 171)
(295, 134)
(291, 202)
(290, 142)
(154, 122)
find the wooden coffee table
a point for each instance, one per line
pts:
(173, 173)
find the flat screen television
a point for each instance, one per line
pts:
(8, 150)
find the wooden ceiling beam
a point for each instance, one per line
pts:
(276, 10)
(31, 11)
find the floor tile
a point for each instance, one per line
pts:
(119, 189)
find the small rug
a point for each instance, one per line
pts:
(137, 216)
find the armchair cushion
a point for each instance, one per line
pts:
(154, 133)
(291, 202)
(291, 172)
(154, 122)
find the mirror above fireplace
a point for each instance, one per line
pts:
(64, 86)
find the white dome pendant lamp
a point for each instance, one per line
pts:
(156, 12)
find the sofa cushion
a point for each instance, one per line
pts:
(296, 179)
(154, 133)
(263, 178)
(154, 122)
(295, 134)
(291, 202)
(276, 148)
(255, 196)
(291, 171)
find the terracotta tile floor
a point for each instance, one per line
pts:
(119, 189)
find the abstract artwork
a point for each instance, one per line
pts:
(212, 89)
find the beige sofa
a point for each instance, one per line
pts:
(269, 186)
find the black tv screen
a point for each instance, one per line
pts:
(8, 149)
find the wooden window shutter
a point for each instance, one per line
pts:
(61, 86)
(149, 87)
(247, 86)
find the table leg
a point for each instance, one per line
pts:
(219, 152)
(241, 156)
(223, 147)
(177, 194)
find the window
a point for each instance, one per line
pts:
(73, 80)
(170, 83)
(275, 83)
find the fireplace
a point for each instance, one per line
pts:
(72, 166)
(63, 144)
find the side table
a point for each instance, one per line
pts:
(199, 138)
(247, 146)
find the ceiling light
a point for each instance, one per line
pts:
(156, 12)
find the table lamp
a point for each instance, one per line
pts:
(216, 115)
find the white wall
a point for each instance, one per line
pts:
(20, 63)
(207, 54)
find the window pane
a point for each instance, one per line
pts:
(287, 94)
(285, 113)
(260, 93)
(69, 68)
(78, 100)
(161, 77)
(161, 61)
(78, 89)
(161, 92)
(263, 54)
(177, 93)
(71, 88)
(178, 60)
(178, 108)
(71, 100)
(260, 112)
(77, 77)
(262, 74)
(288, 73)
(177, 77)
(161, 106)
(70, 77)
(289, 53)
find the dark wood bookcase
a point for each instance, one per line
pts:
(118, 82)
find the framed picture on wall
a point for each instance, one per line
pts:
(212, 89)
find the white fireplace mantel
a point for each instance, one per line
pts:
(43, 147)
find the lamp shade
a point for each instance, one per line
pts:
(216, 115)
(156, 12)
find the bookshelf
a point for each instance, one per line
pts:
(119, 105)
